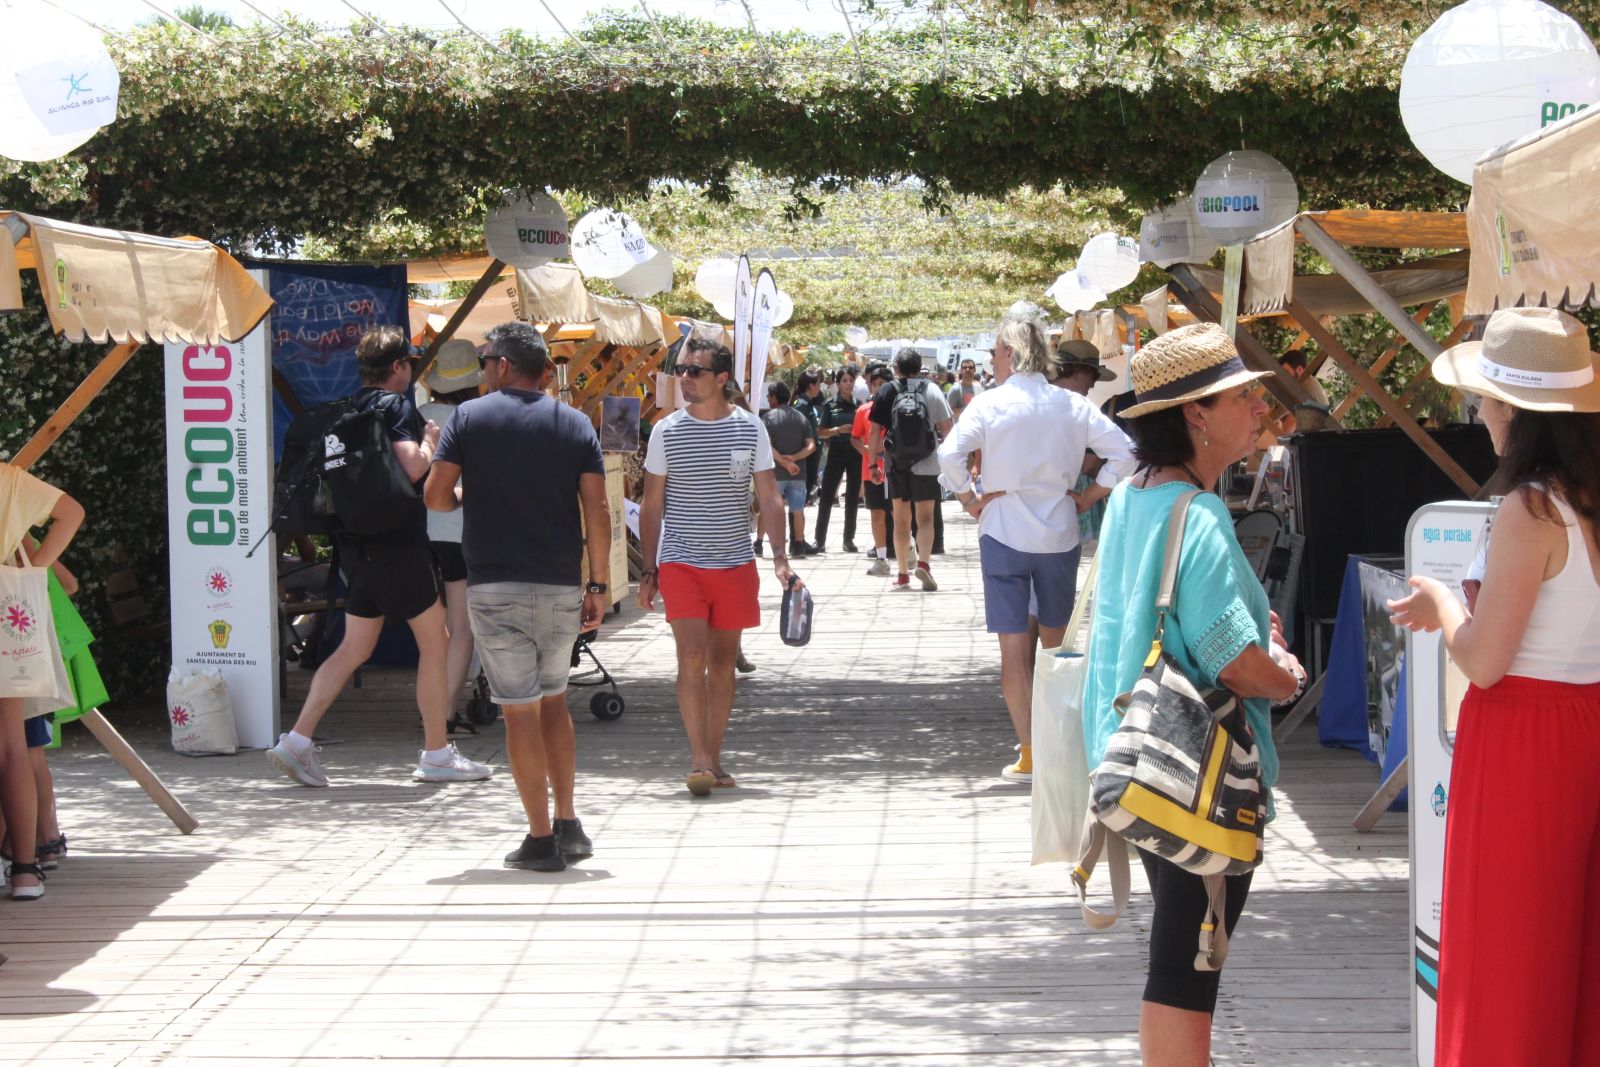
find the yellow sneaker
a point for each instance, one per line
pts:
(1022, 770)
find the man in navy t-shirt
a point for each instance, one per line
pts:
(524, 462)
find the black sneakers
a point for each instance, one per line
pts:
(537, 854)
(575, 844)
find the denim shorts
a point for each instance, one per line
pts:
(1009, 576)
(524, 633)
(794, 493)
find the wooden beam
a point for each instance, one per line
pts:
(91, 386)
(1389, 404)
(139, 771)
(481, 286)
(1386, 357)
(281, 386)
(1423, 376)
(1365, 284)
(1284, 388)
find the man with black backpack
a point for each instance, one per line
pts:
(909, 418)
(375, 455)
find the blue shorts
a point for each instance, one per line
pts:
(37, 730)
(794, 493)
(1010, 576)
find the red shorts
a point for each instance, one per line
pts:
(727, 598)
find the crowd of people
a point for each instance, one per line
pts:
(511, 524)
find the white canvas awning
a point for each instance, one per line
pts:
(555, 293)
(1534, 219)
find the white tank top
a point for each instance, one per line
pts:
(1562, 643)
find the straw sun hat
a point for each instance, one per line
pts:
(1083, 354)
(455, 368)
(1533, 358)
(1189, 363)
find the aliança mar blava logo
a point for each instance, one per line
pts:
(17, 616)
(75, 84)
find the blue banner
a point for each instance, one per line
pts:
(321, 311)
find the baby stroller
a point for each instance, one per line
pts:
(605, 706)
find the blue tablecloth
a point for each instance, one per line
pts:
(1342, 715)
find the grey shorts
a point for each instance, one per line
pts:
(524, 634)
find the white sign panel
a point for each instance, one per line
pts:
(763, 310)
(1230, 204)
(219, 503)
(1441, 541)
(527, 232)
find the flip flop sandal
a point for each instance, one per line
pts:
(724, 780)
(700, 783)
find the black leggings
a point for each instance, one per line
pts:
(846, 469)
(1180, 907)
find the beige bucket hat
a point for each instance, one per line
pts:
(1083, 354)
(1533, 358)
(1189, 363)
(455, 368)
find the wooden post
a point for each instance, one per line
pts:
(91, 386)
(1365, 284)
(1391, 788)
(281, 385)
(1424, 375)
(1389, 404)
(1386, 357)
(139, 771)
(1283, 387)
(481, 286)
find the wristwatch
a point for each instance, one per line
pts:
(594, 587)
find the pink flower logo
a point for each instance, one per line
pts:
(180, 715)
(18, 619)
(219, 582)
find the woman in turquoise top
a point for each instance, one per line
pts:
(1199, 410)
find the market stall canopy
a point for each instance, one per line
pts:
(555, 293)
(1270, 289)
(440, 269)
(1535, 219)
(497, 305)
(111, 285)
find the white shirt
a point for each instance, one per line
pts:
(861, 392)
(710, 469)
(1562, 641)
(1033, 436)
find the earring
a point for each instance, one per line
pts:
(1205, 440)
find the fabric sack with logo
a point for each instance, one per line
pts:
(201, 713)
(1181, 779)
(1060, 765)
(911, 436)
(31, 666)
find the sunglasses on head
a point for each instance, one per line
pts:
(689, 370)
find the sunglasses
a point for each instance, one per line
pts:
(689, 370)
(484, 361)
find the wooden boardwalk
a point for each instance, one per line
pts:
(864, 896)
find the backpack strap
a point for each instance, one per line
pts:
(1213, 951)
(1095, 839)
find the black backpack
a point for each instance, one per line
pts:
(339, 473)
(910, 436)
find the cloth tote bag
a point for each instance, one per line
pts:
(1181, 779)
(1060, 764)
(31, 666)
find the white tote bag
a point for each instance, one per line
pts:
(1060, 764)
(30, 657)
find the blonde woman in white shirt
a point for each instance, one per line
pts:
(1033, 437)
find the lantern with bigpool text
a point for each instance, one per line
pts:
(1244, 193)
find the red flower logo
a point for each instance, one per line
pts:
(218, 583)
(18, 619)
(180, 715)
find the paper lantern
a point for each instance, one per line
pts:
(1172, 235)
(1072, 292)
(1242, 194)
(652, 276)
(1489, 72)
(608, 244)
(1109, 262)
(527, 231)
(856, 336)
(782, 308)
(58, 86)
(714, 282)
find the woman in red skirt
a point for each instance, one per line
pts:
(1519, 984)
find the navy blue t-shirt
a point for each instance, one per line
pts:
(521, 454)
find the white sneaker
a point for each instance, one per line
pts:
(459, 769)
(305, 769)
(879, 568)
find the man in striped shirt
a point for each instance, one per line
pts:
(700, 465)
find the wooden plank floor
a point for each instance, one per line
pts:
(865, 895)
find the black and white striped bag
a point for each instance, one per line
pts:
(1181, 779)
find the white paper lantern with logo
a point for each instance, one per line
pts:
(652, 276)
(527, 231)
(856, 336)
(58, 86)
(1242, 194)
(714, 282)
(1489, 72)
(782, 308)
(1172, 235)
(1109, 262)
(608, 244)
(1072, 292)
